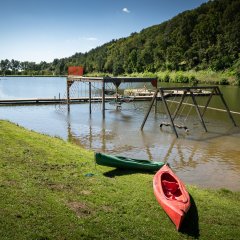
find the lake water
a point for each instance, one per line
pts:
(209, 159)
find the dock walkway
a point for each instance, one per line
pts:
(39, 101)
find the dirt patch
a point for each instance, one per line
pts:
(58, 186)
(81, 209)
(106, 208)
(11, 183)
(85, 192)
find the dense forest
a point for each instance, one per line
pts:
(207, 37)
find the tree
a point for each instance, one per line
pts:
(4, 66)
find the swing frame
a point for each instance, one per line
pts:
(186, 91)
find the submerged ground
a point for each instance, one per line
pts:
(51, 189)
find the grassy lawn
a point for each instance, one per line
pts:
(51, 189)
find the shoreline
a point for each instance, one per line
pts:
(80, 148)
(188, 77)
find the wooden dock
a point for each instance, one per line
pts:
(42, 101)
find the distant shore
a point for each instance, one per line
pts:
(187, 77)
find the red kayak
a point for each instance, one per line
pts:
(171, 194)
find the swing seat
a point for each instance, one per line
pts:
(176, 125)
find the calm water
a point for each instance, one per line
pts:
(209, 159)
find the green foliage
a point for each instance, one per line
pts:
(235, 71)
(193, 80)
(194, 77)
(163, 76)
(179, 78)
(223, 81)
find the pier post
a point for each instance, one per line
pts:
(68, 96)
(103, 98)
(90, 98)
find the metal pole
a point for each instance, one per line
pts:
(168, 112)
(226, 106)
(179, 105)
(117, 102)
(156, 101)
(90, 98)
(198, 111)
(103, 98)
(208, 101)
(68, 96)
(150, 107)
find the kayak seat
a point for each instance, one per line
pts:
(172, 191)
(170, 187)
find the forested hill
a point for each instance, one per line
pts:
(203, 38)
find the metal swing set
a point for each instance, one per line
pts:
(184, 92)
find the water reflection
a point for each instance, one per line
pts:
(206, 159)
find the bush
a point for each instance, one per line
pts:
(193, 80)
(179, 78)
(166, 78)
(224, 81)
(238, 78)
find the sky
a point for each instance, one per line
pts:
(42, 30)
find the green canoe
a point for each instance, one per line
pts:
(127, 163)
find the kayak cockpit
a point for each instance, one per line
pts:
(171, 188)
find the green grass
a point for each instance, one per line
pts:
(51, 189)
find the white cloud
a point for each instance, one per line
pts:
(126, 10)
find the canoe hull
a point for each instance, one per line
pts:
(171, 194)
(127, 163)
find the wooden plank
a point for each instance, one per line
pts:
(60, 100)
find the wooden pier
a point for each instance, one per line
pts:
(42, 101)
